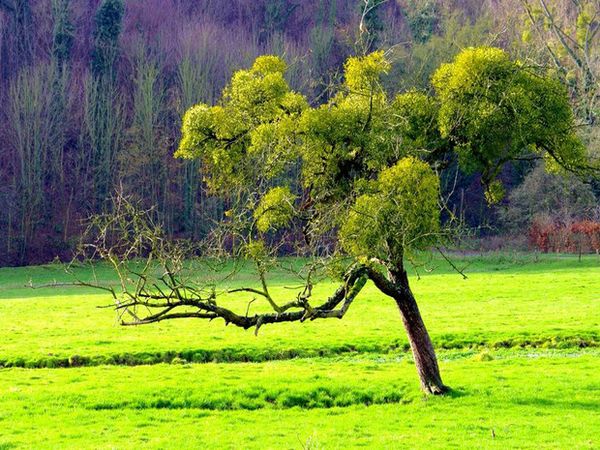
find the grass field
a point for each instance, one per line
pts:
(518, 341)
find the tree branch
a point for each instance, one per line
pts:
(355, 280)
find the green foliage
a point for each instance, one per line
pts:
(415, 116)
(344, 141)
(275, 209)
(495, 110)
(494, 192)
(108, 23)
(359, 136)
(419, 63)
(196, 75)
(257, 94)
(353, 150)
(366, 162)
(362, 75)
(243, 139)
(256, 251)
(400, 214)
(584, 19)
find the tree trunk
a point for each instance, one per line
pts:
(420, 344)
(426, 363)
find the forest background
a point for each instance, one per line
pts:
(92, 93)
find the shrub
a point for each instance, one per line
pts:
(576, 237)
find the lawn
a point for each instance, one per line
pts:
(518, 341)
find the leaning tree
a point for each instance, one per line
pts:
(353, 186)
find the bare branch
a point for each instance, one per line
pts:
(449, 261)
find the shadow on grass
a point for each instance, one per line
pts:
(560, 404)
(456, 393)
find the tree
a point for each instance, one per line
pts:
(367, 198)
(143, 167)
(19, 33)
(197, 71)
(62, 45)
(568, 32)
(276, 15)
(108, 21)
(495, 110)
(541, 194)
(63, 32)
(102, 134)
(423, 20)
(30, 121)
(103, 115)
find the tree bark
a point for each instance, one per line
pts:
(397, 287)
(421, 346)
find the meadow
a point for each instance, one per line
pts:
(518, 342)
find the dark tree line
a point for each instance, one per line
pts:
(92, 94)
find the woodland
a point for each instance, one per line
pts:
(92, 94)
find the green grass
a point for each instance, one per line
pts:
(553, 304)
(541, 400)
(519, 342)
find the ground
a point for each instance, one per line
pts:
(518, 341)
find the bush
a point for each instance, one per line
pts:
(577, 237)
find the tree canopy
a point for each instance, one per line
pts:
(367, 162)
(495, 110)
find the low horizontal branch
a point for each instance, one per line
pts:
(346, 293)
(186, 315)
